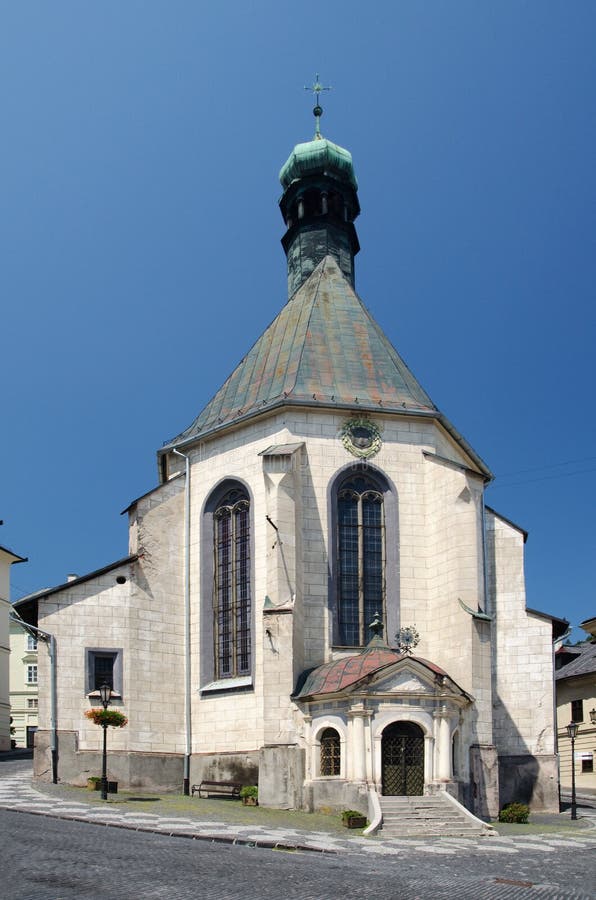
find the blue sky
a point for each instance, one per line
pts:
(141, 257)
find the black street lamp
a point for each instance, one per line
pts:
(105, 693)
(572, 730)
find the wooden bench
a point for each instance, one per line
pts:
(225, 788)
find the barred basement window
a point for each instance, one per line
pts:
(361, 558)
(232, 598)
(330, 752)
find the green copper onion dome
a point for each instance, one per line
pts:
(318, 157)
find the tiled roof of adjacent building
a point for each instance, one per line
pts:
(584, 662)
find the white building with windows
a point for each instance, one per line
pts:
(576, 702)
(316, 514)
(7, 558)
(23, 685)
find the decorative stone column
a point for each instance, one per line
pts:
(369, 754)
(309, 762)
(443, 744)
(358, 714)
(429, 758)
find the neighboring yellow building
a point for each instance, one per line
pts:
(576, 702)
(7, 558)
(23, 685)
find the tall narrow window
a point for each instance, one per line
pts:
(232, 598)
(31, 674)
(361, 558)
(577, 710)
(330, 752)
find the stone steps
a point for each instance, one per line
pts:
(428, 816)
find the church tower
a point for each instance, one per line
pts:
(319, 206)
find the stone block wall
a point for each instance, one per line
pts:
(522, 651)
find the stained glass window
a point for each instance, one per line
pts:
(232, 598)
(361, 558)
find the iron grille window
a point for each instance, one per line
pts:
(232, 598)
(330, 752)
(577, 710)
(361, 552)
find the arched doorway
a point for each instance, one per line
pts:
(402, 756)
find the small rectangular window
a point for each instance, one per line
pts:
(32, 703)
(31, 674)
(31, 642)
(587, 762)
(103, 670)
(103, 666)
(577, 710)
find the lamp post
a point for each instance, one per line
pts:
(572, 730)
(105, 692)
(593, 716)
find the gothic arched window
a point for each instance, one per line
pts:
(360, 557)
(231, 589)
(330, 752)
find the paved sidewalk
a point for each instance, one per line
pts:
(17, 793)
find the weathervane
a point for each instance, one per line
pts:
(316, 89)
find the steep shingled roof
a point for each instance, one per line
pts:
(583, 664)
(323, 349)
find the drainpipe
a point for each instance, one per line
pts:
(187, 676)
(50, 640)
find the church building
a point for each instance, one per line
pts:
(316, 598)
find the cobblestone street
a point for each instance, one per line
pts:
(70, 853)
(65, 860)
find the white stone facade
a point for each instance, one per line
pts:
(472, 622)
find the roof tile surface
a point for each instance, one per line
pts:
(323, 348)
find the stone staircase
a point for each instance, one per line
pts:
(435, 814)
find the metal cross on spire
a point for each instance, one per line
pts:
(316, 89)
